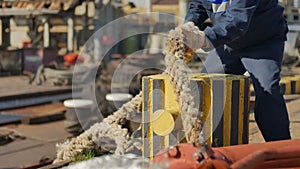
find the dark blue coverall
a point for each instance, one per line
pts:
(249, 35)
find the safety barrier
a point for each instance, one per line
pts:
(290, 85)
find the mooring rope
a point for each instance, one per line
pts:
(177, 54)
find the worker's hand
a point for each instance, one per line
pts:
(194, 37)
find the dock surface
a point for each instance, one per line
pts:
(18, 86)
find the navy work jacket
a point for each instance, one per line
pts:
(243, 24)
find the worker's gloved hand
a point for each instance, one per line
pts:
(194, 37)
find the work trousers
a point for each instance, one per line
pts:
(263, 62)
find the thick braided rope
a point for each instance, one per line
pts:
(175, 58)
(111, 128)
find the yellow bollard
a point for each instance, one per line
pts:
(295, 84)
(222, 99)
(286, 86)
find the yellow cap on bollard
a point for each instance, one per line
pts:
(162, 122)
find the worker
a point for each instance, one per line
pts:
(246, 35)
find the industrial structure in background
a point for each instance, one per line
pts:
(45, 39)
(42, 32)
(292, 15)
(35, 32)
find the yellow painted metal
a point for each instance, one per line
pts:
(206, 109)
(150, 129)
(297, 87)
(171, 104)
(144, 128)
(165, 142)
(167, 119)
(163, 122)
(288, 84)
(295, 83)
(241, 112)
(285, 83)
(227, 113)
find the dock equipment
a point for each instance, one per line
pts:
(290, 84)
(279, 154)
(222, 99)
